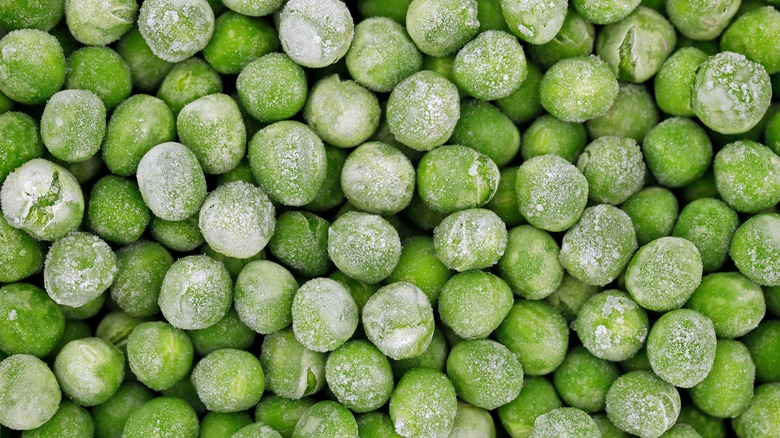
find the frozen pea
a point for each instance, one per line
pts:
(491, 66)
(653, 211)
(360, 376)
(220, 425)
(171, 181)
(728, 388)
(378, 178)
(551, 193)
(364, 246)
(632, 115)
(731, 93)
(612, 326)
(472, 421)
(673, 84)
(237, 41)
(470, 239)
(583, 380)
(677, 151)
(755, 249)
(300, 242)
(182, 236)
(78, 269)
(147, 71)
(111, 416)
(135, 127)
(454, 178)
(760, 419)
(176, 30)
(524, 104)
(614, 168)
(548, 135)
(490, 15)
(423, 110)
(733, 303)
(272, 88)
(710, 224)
(439, 28)
(90, 370)
(604, 12)
(531, 263)
(597, 248)
(256, 430)
(342, 112)
(424, 404)
(32, 67)
(34, 14)
(264, 295)
(701, 21)
(635, 47)
(73, 125)
(163, 417)
(229, 332)
(29, 393)
(116, 211)
(564, 422)
(474, 303)
(237, 220)
(116, 327)
(537, 334)
(570, 295)
(103, 72)
(185, 390)
(382, 54)
(19, 142)
(196, 292)
(324, 314)
(504, 202)
(536, 398)
(705, 425)
(536, 22)
(326, 419)
(160, 355)
(681, 347)
(642, 404)
(434, 357)
(664, 273)
(315, 34)
(576, 38)
(419, 265)
(70, 420)
(97, 23)
(291, 370)
(229, 380)
(485, 373)
(289, 162)
(213, 128)
(578, 89)
(738, 166)
(398, 319)
(21, 255)
(281, 414)
(32, 323)
(764, 346)
(484, 128)
(188, 81)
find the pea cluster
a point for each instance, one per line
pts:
(389, 218)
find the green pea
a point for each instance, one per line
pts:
(481, 243)
(733, 303)
(491, 66)
(35, 14)
(728, 388)
(755, 249)
(217, 425)
(614, 168)
(737, 166)
(583, 380)
(163, 417)
(570, 421)
(85, 311)
(147, 71)
(681, 347)
(171, 181)
(291, 370)
(378, 178)
(434, 357)
(653, 211)
(423, 404)
(179, 39)
(394, 9)
(570, 295)
(498, 380)
(701, 21)
(300, 241)
(673, 84)
(531, 263)
(272, 88)
(576, 38)
(327, 36)
(19, 141)
(214, 377)
(366, 247)
(542, 352)
(33, 322)
(706, 425)
(196, 293)
(326, 419)
(640, 403)
(594, 93)
(229, 332)
(237, 41)
(612, 326)
(185, 390)
(102, 71)
(441, 27)
(632, 115)
(760, 417)
(90, 370)
(524, 104)
(70, 420)
(324, 314)
(97, 23)
(484, 128)
(504, 202)
(187, 82)
(182, 236)
(20, 254)
(360, 376)
(116, 211)
(280, 413)
(677, 152)
(534, 23)
(764, 345)
(709, 224)
(29, 393)
(33, 66)
(73, 125)
(160, 355)
(264, 295)
(537, 397)
(256, 430)
(548, 135)
(772, 133)
(78, 269)
(419, 266)
(474, 303)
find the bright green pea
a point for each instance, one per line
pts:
(364, 246)
(218, 425)
(281, 413)
(188, 81)
(578, 89)
(90, 370)
(21, 255)
(116, 211)
(163, 417)
(614, 168)
(755, 249)
(701, 21)
(159, 354)
(474, 303)
(196, 293)
(423, 404)
(531, 263)
(35, 14)
(485, 373)
(653, 211)
(537, 334)
(761, 415)
(360, 376)
(324, 314)
(19, 141)
(491, 66)
(32, 67)
(326, 419)
(484, 128)
(537, 397)
(481, 239)
(548, 135)
(632, 115)
(181, 236)
(73, 125)
(378, 178)
(272, 88)
(79, 268)
(681, 347)
(728, 388)
(102, 71)
(570, 421)
(524, 104)
(439, 28)
(734, 304)
(237, 41)
(642, 404)
(737, 168)
(764, 345)
(70, 420)
(146, 69)
(536, 23)
(214, 378)
(576, 38)
(612, 326)
(33, 323)
(583, 380)
(673, 84)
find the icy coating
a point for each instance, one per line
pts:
(564, 423)
(29, 392)
(604, 11)
(159, 354)
(534, 21)
(614, 168)
(612, 326)
(196, 293)
(642, 404)
(99, 22)
(89, 370)
(324, 315)
(440, 27)
(315, 33)
(364, 246)
(73, 125)
(254, 8)
(491, 66)
(176, 29)
(470, 239)
(747, 175)
(32, 66)
(485, 373)
(424, 404)
(229, 380)
(701, 19)
(474, 303)
(755, 249)
(531, 263)
(678, 151)
(360, 376)
(378, 178)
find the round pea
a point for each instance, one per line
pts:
(548, 135)
(612, 326)
(324, 314)
(481, 239)
(272, 88)
(378, 178)
(116, 211)
(237, 41)
(315, 34)
(677, 151)
(738, 166)
(728, 388)
(578, 89)
(640, 403)
(291, 370)
(423, 404)
(162, 416)
(102, 71)
(474, 303)
(366, 247)
(29, 393)
(439, 28)
(614, 168)
(175, 40)
(583, 380)
(90, 370)
(360, 376)
(215, 380)
(755, 249)
(485, 373)
(97, 23)
(32, 66)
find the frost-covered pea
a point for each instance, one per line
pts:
(89, 370)
(181, 236)
(424, 404)
(378, 178)
(434, 357)
(701, 21)
(171, 181)
(642, 404)
(485, 373)
(537, 397)
(576, 38)
(79, 268)
(196, 292)
(116, 211)
(326, 419)
(760, 418)
(264, 294)
(73, 125)
(677, 151)
(382, 54)
(738, 167)
(531, 263)
(474, 303)
(439, 28)
(32, 66)
(484, 128)
(237, 41)
(166, 417)
(538, 354)
(549, 135)
(734, 304)
(755, 249)
(229, 380)
(159, 354)
(636, 46)
(282, 414)
(188, 81)
(604, 12)
(324, 314)
(612, 326)
(681, 347)
(632, 115)
(578, 89)
(255, 430)
(481, 239)
(364, 246)
(423, 109)
(300, 242)
(21, 255)
(272, 88)
(614, 168)
(728, 388)
(229, 332)
(175, 29)
(710, 224)
(536, 22)
(653, 211)
(103, 72)
(29, 393)
(19, 141)
(564, 422)
(291, 370)
(731, 93)
(32, 322)
(472, 421)
(213, 128)
(34, 14)
(70, 420)
(673, 84)
(360, 376)
(315, 33)
(504, 202)
(583, 379)
(254, 8)
(147, 70)
(398, 319)
(764, 346)
(96, 22)
(491, 66)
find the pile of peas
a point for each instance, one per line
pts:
(389, 218)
